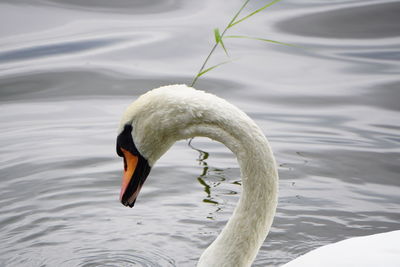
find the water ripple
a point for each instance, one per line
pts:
(63, 48)
(98, 257)
(331, 114)
(366, 21)
(122, 6)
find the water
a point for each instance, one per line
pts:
(329, 107)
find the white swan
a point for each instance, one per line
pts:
(159, 118)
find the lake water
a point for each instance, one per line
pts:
(330, 108)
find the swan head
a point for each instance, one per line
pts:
(148, 128)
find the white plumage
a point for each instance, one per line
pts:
(364, 251)
(167, 114)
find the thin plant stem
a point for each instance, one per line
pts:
(218, 40)
(216, 43)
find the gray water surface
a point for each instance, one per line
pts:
(330, 108)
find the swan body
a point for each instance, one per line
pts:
(364, 251)
(162, 116)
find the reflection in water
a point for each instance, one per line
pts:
(213, 180)
(203, 156)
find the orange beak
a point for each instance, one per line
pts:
(136, 167)
(130, 163)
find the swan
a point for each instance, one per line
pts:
(162, 116)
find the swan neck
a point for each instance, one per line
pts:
(246, 230)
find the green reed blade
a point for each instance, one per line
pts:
(259, 39)
(211, 68)
(218, 39)
(253, 13)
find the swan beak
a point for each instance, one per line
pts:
(136, 170)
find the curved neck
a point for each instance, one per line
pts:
(240, 240)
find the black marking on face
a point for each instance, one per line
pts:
(125, 141)
(142, 170)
